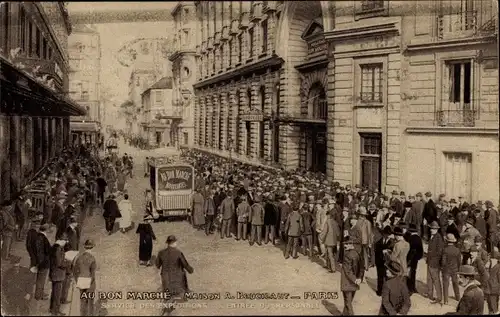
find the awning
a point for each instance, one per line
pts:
(84, 126)
(21, 94)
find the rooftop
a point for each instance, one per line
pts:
(164, 83)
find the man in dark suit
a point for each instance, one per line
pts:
(284, 211)
(395, 294)
(451, 261)
(414, 255)
(452, 227)
(17, 289)
(111, 212)
(294, 227)
(472, 301)
(42, 262)
(382, 246)
(57, 276)
(73, 234)
(434, 256)
(350, 276)
(491, 216)
(31, 239)
(430, 212)
(84, 270)
(173, 265)
(227, 210)
(396, 204)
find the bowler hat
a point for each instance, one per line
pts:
(419, 194)
(489, 204)
(171, 239)
(395, 192)
(387, 230)
(467, 270)
(453, 201)
(451, 238)
(398, 231)
(407, 204)
(434, 225)
(428, 194)
(402, 194)
(394, 267)
(89, 244)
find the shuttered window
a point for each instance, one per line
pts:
(457, 175)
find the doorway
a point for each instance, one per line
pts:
(318, 149)
(158, 138)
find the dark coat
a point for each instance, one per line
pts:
(173, 264)
(494, 281)
(271, 214)
(294, 226)
(111, 209)
(396, 205)
(395, 297)
(31, 242)
(472, 301)
(453, 229)
(482, 274)
(73, 238)
(85, 266)
(435, 251)
(480, 225)
(308, 220)
(451, 260)
(42, 252)
(227, 208)
(491, 216)
(379, 247)
(284, 211)
(331, 234)
(416, 249)
(351, 270)
(58, 265)
(430, 212)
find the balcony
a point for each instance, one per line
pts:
(235, 27)
(225, 33)
(210, 44)
(456, 118)
(461, 24)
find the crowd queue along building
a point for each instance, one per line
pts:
(395, 95)
(35, 109)
(84, 45)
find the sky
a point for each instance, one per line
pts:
(115, 77)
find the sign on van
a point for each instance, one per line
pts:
(175, 178)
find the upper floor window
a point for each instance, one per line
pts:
(49, 53)
(22, 22)
(222, 57)
(44, 49)
(230, 53)
(186, 15)
(186, 37)
(158, 96)
(240, 48)
(250, 42)
(38, 44)
(371, 83)
(264, 36)
(30, 38)
(369, 5)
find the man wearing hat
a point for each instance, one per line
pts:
(365, 228)
(415, 253)
(306, 237)
(242, 212)
(284, 210)
(400, 250)
(58, 268)
(430, 212)
(451, 264)
(395, 294)
(84, 270)
(491, 216)
(472, 301)
(382, 246)
(257, 220)
(294, 227)
(350, 276)
(480, 266)
(493, 290)
(434, 264)
(271, 219)
(395, 203)
(111, 212)
(451, 227)
(330, 236)
(173, 265)
(468, 236)
(227, 210)
(483, 254)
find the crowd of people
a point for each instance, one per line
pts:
(68, 185)
(354, 228)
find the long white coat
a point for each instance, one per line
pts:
(125, 207)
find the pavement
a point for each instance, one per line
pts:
(221, 266)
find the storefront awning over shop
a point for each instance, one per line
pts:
(84, 126)
(23, 95)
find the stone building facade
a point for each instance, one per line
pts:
(184, 70)
(362, 89)
(35, 111)
(84, 81)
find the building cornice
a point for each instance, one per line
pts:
(243, 70)
(65, 56)
(175, 55)
(452, 130)
(361, 32)
(450, 43)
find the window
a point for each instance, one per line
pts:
(158, 96)
(230, 53)
(457, 174)
(44, 49)
(250, 42)
(186, 37)
(186, 15)
(264, 36)
(248, 125)
(370, 158)
(38, 44)
(85, 91)
(457, 108)
(30, 38)
(186, 72)
(213, 55)
(240, 48)
(371, 83)
(369, 5)
(22, 22)
(222, 58)
(49, 54)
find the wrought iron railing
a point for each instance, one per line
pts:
(456, 118)
(457, 23)
(371, 97)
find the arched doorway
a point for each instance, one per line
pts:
(316, 134)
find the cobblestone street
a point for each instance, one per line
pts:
(220, 266)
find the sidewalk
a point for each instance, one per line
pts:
(18, 250)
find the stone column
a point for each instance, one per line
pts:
(15, 154)
(37, 144)
(23, 150)
(30, 146)
(210, 119)
(223, 113)
(5, 171)
(66, 131)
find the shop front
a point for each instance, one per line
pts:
(85, 132)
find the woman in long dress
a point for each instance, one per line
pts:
(146, 237)
(125, 207)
